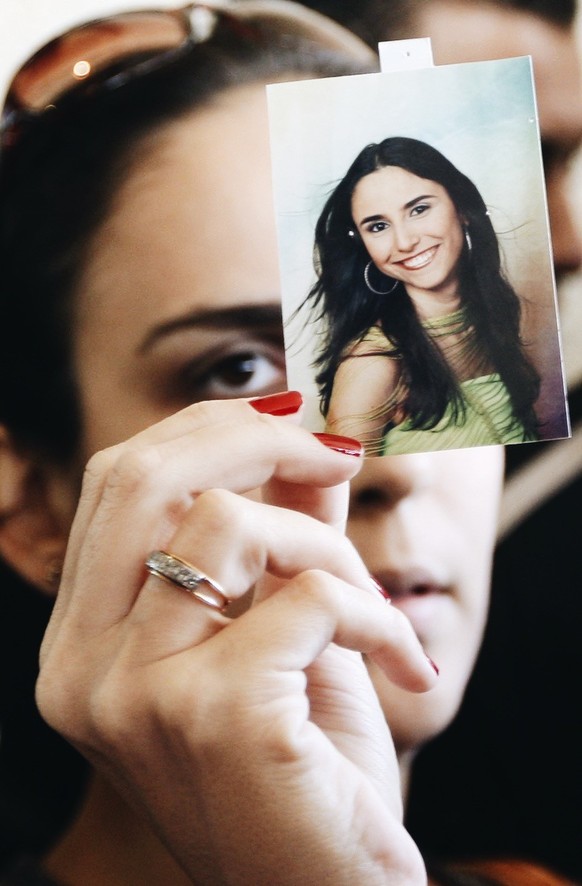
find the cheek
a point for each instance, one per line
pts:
(474, 484)
(378, 248)
(112, 410)
(472, 481)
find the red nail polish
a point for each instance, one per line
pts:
(433, 665)
(345, 445)
(285, 403)
(380, 588)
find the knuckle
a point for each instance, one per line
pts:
(318, 589)
(135, 468)
(113, 717)
(94, 708)
(217, 508)
(202, 414)
(132, 473)
(50, 699)
(122, 468)
(98, 467)
(60, 696)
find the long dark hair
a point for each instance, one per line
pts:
(57, 184)
(349, 308)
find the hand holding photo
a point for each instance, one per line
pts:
(419, 306)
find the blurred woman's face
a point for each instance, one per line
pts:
(424, 524)
(411, 230)
(180, 297)
(180, 302)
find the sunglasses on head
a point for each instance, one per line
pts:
(107, 53)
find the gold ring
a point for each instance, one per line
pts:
(181, 573)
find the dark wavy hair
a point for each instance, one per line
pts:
(341, 298)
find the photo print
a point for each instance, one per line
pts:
(418, 290)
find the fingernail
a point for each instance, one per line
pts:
(345, 445)
(433, 665)
(285, 403)
(380, 588)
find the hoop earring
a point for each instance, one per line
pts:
(468, 240)
(371, 288)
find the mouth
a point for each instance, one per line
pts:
(420, 260)
(420, 596)
(415, 581)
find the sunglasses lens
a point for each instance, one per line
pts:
(109, 52)
(87, 50)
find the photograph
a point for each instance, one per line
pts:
(418, 290)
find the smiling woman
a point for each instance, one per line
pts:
(416, 238)
(422, 346)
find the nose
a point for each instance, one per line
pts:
(566, 239)
(387, 498)
(386, 481)
(405, 238)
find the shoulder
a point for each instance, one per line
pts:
(373, 343)
(372, 359)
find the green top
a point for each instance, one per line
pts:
(488, 418)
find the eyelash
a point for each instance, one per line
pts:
(420, 209)
(380, 226)
(244, 369)
(377, 227)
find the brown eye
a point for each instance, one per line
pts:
(239, 370)
(247, 372)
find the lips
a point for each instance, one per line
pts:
(420, 260)
(421, 596)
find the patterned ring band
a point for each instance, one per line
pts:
(183, 574)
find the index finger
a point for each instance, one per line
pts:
(134, 497)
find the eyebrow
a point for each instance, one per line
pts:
(240, 317)
(409, 205)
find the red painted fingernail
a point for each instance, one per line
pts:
(433, 665)
(380, 588)
(285, 403)
(345, 445)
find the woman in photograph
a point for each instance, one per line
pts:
(422, 341)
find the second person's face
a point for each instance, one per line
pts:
(411, 230)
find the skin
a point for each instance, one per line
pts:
(412, 233)
(467, 31)
(413, 519)
(360, 387)
(156, 348)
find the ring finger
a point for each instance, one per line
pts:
(234, 542)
